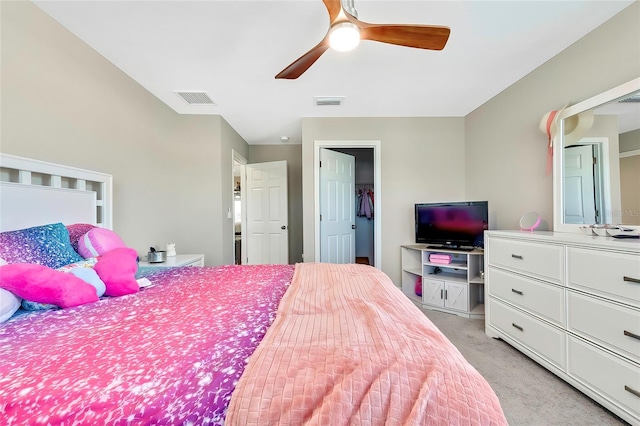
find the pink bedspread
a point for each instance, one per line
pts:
(347, 347)
(170, 354)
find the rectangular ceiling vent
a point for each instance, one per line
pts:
(328, 100)
(195, 97)
(633, 98)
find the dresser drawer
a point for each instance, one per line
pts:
(605, 323)
(546, 340)
(609, 376)
(608, 274)
(542, 299)
(543, 261)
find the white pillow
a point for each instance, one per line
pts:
(9, 304)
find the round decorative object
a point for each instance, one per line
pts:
(529, 221)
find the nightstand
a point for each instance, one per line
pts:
(176, 261)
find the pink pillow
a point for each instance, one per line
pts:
(77, 231)
(37, 283)
(98, 241)
(117, 268)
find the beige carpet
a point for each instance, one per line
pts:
(529, 394)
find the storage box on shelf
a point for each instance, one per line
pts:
(456, 287)
(571, 303)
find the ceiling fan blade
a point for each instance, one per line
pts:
(421, 36)
(333, 7)
(300, 65)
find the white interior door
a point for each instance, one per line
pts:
(267, 227)
(579, 202)
(337, 207)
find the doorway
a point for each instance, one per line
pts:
(239, 203)
(260, 208)
(368, 178)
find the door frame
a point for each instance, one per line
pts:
(237, 157)
(377, 186)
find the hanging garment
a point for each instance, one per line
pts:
(370, 199)
(364, 205)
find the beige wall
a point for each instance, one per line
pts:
(630, 178)
(505, 151)
(630, 185)
(630, 141)
(422, 160)
(292, 154)
(62, 102)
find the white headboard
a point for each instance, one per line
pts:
(34, 192)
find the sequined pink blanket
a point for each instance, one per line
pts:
(170, 354)
(347, 347)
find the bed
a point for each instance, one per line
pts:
(238, 345)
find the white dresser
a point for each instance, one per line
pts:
(571, 303)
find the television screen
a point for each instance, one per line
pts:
(457, 225)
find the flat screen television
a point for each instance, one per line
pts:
(456, 225)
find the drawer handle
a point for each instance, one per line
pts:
(631, 280)
(516, 291)
(516, 256)
(631, 390)
(630, 334)
(517, 326)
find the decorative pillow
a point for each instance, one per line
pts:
(84, 263)
(90, 276)
(117, 268)
(9, 304)
(99, 241)
(28, 305)
(46, 245)
(40, 284)
(77, 231)
(84, 270)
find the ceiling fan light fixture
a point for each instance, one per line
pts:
(344, 36)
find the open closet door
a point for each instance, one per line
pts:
(267, 216)
(337, 207)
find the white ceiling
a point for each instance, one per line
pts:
(233, 49)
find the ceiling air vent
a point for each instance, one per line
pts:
(328, 100)
(195, 98)
(633, 98)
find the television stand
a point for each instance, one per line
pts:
(456, 248)
(456, 287)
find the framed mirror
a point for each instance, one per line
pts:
(596, 170)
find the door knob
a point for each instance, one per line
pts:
(353, 226)
(283, 227)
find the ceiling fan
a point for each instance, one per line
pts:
(345, 28)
